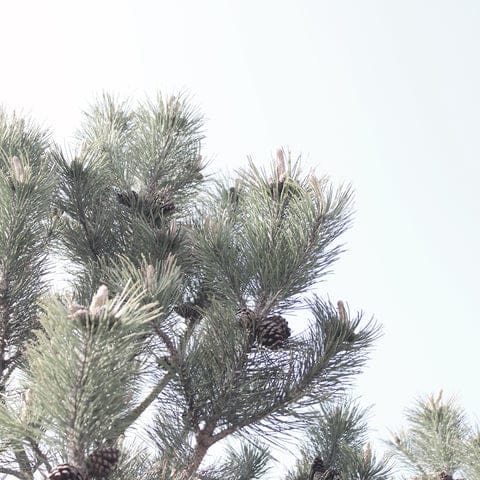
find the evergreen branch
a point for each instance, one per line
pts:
(236, 388)
(436, 437)
(26, 184)
(336, 444)
(272, 247)
(246, 462)
(312, 372)
(105, 350)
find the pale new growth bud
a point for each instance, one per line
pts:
(26, 397)
(172, 227)
(342, 313)
(281, 171)
(149, 276)
(18, 169)
(172, 102)
(99, 299)
(3, 280)
(367, 453)
(435, 402)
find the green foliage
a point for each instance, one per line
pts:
(153, 146)
(26, 184)
(79, 373)
(438, 438)
(471, 454)
(91, 228)
(339, 437)
(161, 261)
(265, 247)
(134, 177)
(243, 462)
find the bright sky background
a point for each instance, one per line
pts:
(382, 94)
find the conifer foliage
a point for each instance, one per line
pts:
(175, 332)
(438, 442)
(337, 447)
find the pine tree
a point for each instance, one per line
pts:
(175, 327)
(438, 441)
(337, 447)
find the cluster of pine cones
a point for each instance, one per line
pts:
(271, 332)
(99, 464)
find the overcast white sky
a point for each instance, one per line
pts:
(382, 94)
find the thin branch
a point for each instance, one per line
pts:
(38, 452)
(84, 223)
(129, 419)
(14, 473)
(24, 463)
(74, 450)
(204, 442)
(167, 341)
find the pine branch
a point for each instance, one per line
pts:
(96, 359)
(435, 439)
(41, 456)
(271, 247)
(244, 462)
(15, 473)
(26, 184)
(336, 446)
(24, 463)
(227, 387)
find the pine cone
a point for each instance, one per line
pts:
(445, 476)
(272, 331)
(101, 462)
(149, 204)
(192, 310)
(246, 318)
(189, 311)
(162, 202)
(318, 471)
(128, 199)
(248, 321)
(65, 471)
